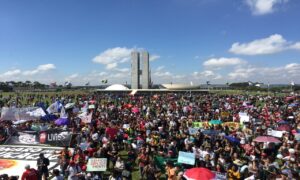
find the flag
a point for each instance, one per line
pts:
(87, 84)
(207, 82)
(63, 113)
(104, 81)
(54, 108)
(293, 83)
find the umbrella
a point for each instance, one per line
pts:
(198, 174)
(232, 139)
(284, 127)
(62, 121)
(215, 122)
(267, 139)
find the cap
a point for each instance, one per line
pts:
(27, 166)
(279, 156)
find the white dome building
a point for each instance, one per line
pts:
(117, 87)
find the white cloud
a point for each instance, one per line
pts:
(270, 45)
(154, 57)
(280, 74)
(112, 57)
(71, 77)
(223, 62)
(261, 7)
(295, 46)
(11, 73)
(162, 74)
(159, 68)
(111, 65)
(207, 74)
(242, 73)
(40, 69)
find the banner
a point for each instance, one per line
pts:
(232, 125)
(96, 164)
(16, 114)
(23, 138)
(30, 153)
(275, 133)
(55, 138)
(200, 124)
(193, 131)
(244, 117)
(14, 158)
(186, 158)
(51, 137)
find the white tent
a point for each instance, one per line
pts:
(117, 87)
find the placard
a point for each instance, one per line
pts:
(186, 158)
(97, 164)
(193, 131)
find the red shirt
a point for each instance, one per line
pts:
(30, 174)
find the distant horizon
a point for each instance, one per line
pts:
(188, 40)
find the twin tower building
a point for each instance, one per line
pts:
(140, 70)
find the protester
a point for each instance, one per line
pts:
(222, 131)
(29, 174)
(42, 164)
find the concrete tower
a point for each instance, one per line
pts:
(135, 70)
(145, 70)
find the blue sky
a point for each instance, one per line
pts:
(188, 40)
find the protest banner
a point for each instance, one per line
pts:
(14, 158)
(97, 164)
(275, 133)
(244, 117)
(200, 124)
(193, 131)
(55, 138)
(186, 158)
(232, 125)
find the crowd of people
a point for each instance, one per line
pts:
(132, 131)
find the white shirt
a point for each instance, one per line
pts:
(58, 178)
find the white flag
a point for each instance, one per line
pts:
(293, 83)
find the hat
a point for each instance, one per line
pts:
(291, 151)
(279, 156)
(27, 166)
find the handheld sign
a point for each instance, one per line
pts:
(97, 164)
(186, 158)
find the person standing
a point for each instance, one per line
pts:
(73, 171)
(29, 173)
(42, 164)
